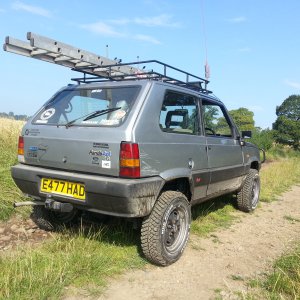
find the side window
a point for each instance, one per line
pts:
(179, 114)
(215, 121)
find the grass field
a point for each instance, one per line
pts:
(88, 256)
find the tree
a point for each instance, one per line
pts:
(287, 124)
(243, 118)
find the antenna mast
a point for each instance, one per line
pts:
(206, 66)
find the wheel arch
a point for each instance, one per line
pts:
(180, 184)
(255, 165)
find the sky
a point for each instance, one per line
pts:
(251, 46)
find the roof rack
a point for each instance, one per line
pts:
(96, 68)
(188, 80)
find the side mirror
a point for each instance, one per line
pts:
(246, 134)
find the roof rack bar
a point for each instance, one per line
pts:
(160, 63)
(145, 75)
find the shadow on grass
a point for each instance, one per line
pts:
(212, 215)
(126, 232)
(213, 205)
(106, 229)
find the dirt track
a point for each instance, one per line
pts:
(223, 261)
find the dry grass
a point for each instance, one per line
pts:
(9, 132)
(278, 177)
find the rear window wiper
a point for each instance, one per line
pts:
(92, 115)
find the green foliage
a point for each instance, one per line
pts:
(279, 151)
(263, 138)
(210, 114)
(284, 281)
(287, 124)
(243, 118)
(290, 108)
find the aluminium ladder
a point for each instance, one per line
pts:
(50, 50)
(101, 68)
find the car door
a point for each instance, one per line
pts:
(224, 151)
(184, 147)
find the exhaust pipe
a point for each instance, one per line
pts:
(27, 203)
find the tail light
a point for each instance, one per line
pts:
(21, 146)
(129, 160)
(21, 149)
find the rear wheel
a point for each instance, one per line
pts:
(50, 220)
(165, 231)
(248, 196)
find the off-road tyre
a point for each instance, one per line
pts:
(50, 221)
(248, 196)
(165, 232)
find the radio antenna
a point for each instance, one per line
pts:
(206, 66)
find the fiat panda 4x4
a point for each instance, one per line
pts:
(143, 146)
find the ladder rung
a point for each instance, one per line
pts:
(38, 52)
(63, 58)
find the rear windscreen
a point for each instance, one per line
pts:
(89, 107)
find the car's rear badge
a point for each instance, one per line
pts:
(95, 160)
(100, 145)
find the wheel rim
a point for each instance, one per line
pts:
(255, 192)
(176, 229)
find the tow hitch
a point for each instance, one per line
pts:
(58, 206)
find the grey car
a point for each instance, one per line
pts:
(136, 149)
(131, 143)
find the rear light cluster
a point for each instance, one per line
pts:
(21, 149)
(129, 160)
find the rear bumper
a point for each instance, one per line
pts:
(107, 195)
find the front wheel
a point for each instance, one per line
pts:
(165, 231)
(248, 196)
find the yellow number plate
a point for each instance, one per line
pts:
(61, 187)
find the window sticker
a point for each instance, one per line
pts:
(106, 164)
(119, 114)
(47, 114)
(109, 122)
(96, 91)
(42, 121)
(90, 122)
